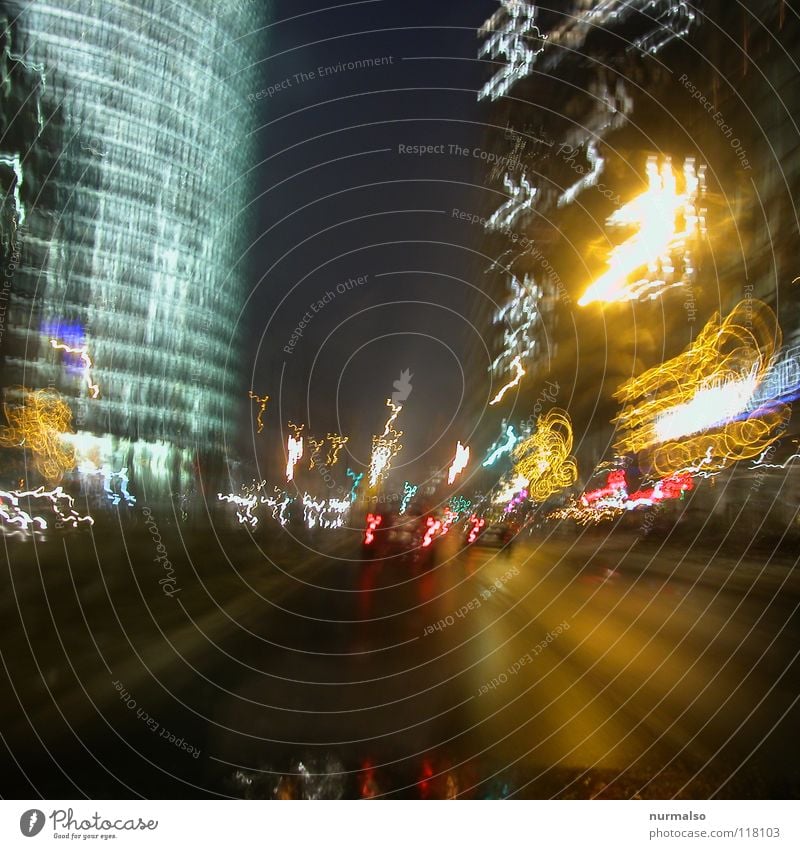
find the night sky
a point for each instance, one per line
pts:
(338, 199)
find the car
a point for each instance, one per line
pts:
(396, 539)
(497, 535)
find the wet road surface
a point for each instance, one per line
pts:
(559, 669)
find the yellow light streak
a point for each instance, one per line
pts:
(586, 515)
(658, 255)
(316, 447)
(262, 407)
(39, 424)
(544, 459)
(692, 411)
(337, 442)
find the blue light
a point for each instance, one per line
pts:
(356, 481)
(499, 449)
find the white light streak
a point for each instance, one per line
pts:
(588, 180)
(83, 352)
(658, 256)
(294, 447)
(510, 488)
(88, 468)
(245, 504)
(459, 462)
(710, 407)
(521, 199)
(671, 20)
(325, 513)
(519, 317)
(15, 164)
(760, 464)
(61, 503)
(674, 21)
(516, 364)
(512, 36)
(385, 446)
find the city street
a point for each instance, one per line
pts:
(565, 668)
(399, 401)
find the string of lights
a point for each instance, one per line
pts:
(385, 447)
(692, 411)
(544, 458)
(39, 425)
(262, 407)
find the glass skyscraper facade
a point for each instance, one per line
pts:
(124, 155)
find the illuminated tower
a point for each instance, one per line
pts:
(128, 188)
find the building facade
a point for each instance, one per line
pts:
(593, 107)
(124, 157)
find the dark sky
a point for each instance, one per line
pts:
(339, 200)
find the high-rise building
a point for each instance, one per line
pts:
(123, 167)
(562, 85)
(604, 102)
